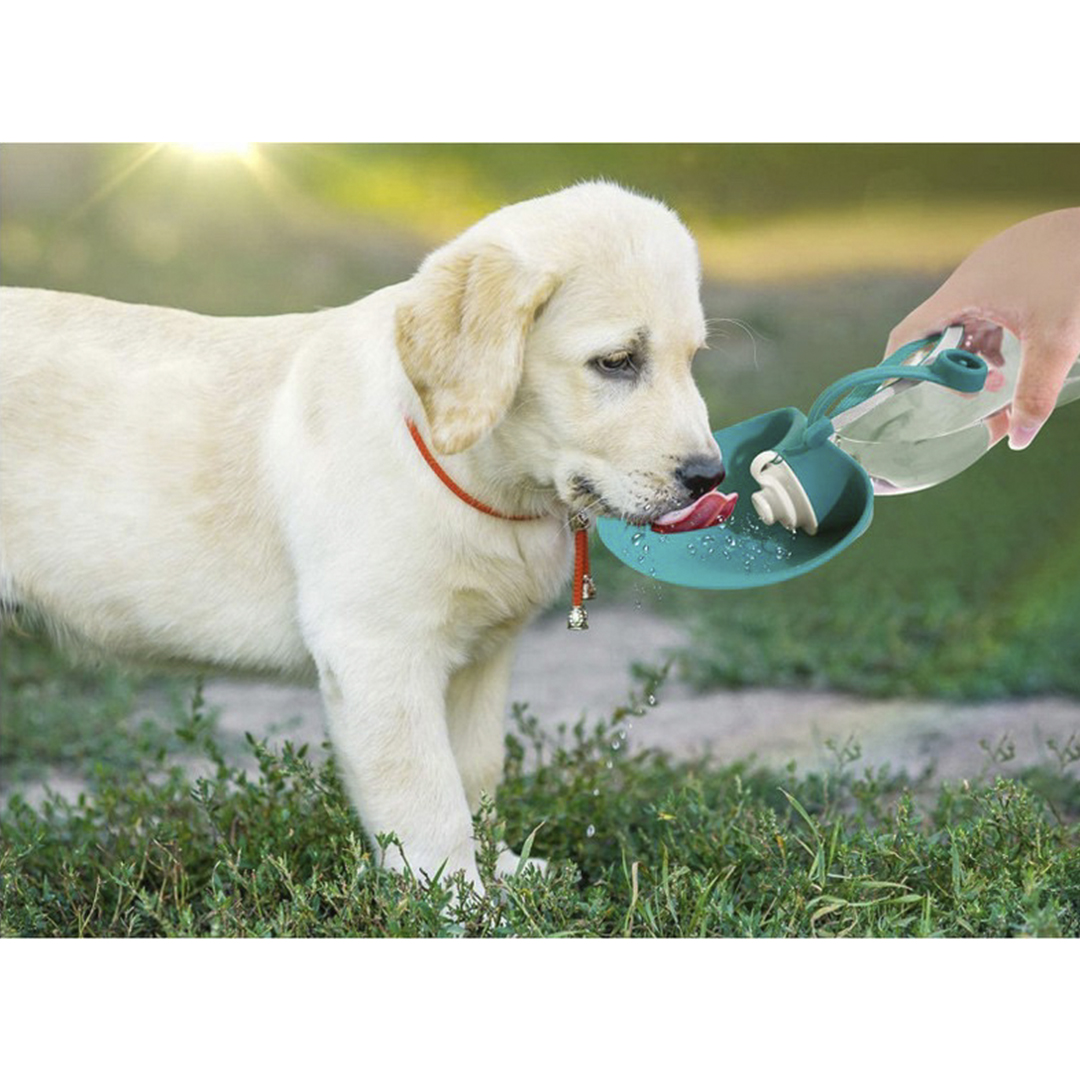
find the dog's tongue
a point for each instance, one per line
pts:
(711, 509)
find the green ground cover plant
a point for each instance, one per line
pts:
(638, 846)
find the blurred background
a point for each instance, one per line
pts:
(812, 252)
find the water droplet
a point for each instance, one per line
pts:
(636, 538)
(729, 540)
(590, 831)
(651, 699)
(596, 791)
(691, 548)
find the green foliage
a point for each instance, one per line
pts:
(62, 715)
(638, 846)
(725, 181)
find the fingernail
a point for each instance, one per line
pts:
(1021, 435)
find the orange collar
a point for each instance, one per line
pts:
(583, 588)
(464, 496)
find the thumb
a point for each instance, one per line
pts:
(1045, 363)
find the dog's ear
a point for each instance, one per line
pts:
(461, 338)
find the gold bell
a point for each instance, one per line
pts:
(578, 618)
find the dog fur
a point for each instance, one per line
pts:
(243, 494)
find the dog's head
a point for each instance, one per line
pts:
(561, 330)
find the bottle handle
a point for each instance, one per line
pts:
(955, 369)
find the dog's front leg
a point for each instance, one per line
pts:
(476, 714)
(385, 705)
(476, 717)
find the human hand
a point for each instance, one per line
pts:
(1026, 279)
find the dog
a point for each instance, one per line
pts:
(263, 494)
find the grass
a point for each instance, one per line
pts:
(639, 846)
(61, 716)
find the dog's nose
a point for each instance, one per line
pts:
(699, 475)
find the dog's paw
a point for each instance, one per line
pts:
(508, 861)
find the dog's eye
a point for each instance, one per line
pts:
(619, 363)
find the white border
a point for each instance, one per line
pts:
(537, 1008)
(569, 70)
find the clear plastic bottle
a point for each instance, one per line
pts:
(913, 435)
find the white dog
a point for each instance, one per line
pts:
(245, 493)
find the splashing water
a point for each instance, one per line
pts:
(760, 549)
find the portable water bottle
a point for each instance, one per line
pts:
(911, 436)
(908, 432)
(806, 483)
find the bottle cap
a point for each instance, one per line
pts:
(781, 499)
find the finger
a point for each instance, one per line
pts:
(1042, 373)
(998, 425)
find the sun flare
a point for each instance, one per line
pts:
(243, 150)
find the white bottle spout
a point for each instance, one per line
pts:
(781, 499)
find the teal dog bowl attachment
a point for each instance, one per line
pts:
(802, 500)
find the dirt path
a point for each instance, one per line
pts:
(562, 675)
